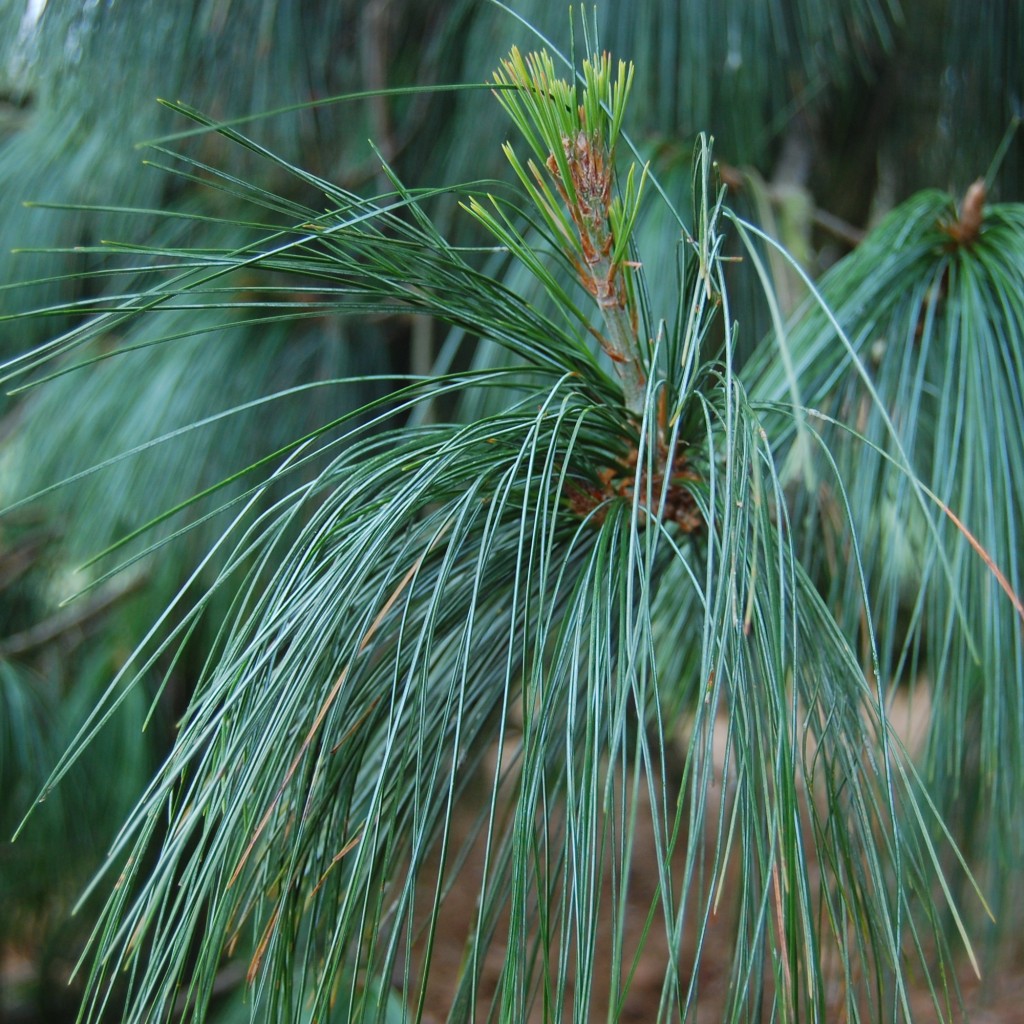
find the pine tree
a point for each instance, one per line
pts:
(540, 493)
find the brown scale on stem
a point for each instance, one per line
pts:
(669, 486)
(965, 230)
(591, 179)
(623, 481)
(587, 196)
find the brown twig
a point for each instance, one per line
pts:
(70, 619)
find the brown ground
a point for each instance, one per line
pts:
(998, 999)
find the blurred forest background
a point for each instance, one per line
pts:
(826, 115)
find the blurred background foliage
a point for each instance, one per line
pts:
(826, 115)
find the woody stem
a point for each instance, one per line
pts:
(623, 348)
